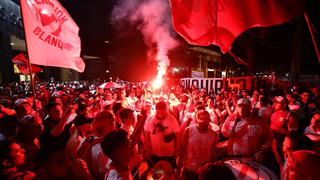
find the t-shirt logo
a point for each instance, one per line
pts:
(255, 130)
(158, 128)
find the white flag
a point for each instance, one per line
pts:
(51, 35)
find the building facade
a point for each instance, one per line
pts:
(11, 39)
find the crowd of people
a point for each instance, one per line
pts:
(79, 130)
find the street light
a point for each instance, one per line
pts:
(108, 74)
(175, 70)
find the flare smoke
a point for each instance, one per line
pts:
(155, 26)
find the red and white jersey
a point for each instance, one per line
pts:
(246, 135)
(283, 122)
(100, 163)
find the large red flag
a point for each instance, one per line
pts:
(21, 62)
(219, 22)
(51, 35)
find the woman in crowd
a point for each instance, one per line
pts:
(12, 155)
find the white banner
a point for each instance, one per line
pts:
(51, 35)
(246, 82)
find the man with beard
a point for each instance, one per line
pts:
(161, 136)
(249, 135)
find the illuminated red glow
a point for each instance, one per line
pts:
(157, 83)
(162, 69)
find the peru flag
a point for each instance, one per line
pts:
(219, 22)
(21, 62)
(51, 35)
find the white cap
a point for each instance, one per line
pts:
(243, 101)
(278, 99)
(20, 101)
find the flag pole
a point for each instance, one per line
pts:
(38, 79)
(306, 16)
(28, 60)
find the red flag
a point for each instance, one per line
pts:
(51, 35)
(22, 63)
(219, 22)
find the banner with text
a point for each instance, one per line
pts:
(246, 82)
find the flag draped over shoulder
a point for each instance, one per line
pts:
(21, 62)
(51, 35)
(219, 22)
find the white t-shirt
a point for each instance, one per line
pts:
(113, 174)
(158, 129)
(199, 148)
(100, 163)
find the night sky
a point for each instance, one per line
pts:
(265, 49)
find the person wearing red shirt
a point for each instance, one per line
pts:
(282, 122)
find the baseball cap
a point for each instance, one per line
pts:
(19, 102)
(294, 107)
(243, 101)
(278, 99)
